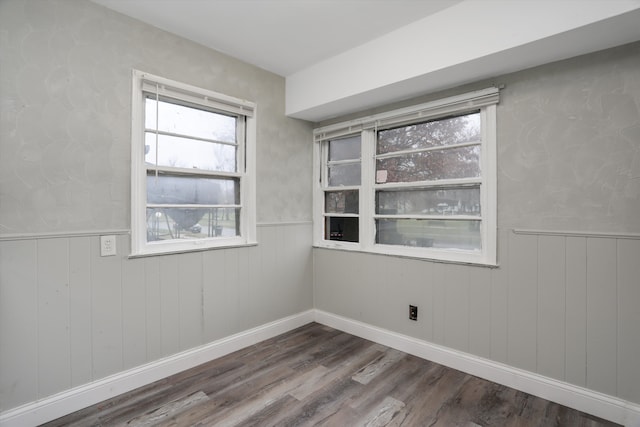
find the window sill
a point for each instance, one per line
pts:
(427, 257)
(191, 249)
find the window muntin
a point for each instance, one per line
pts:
(193, 165)
(427, 180)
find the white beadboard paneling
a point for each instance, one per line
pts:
(269, 268)
(367, 297)
(480, 312)
(425, 310)
(169, 305)
(18, 323)
(230, 292)
(629, 319)
(438, 315)
(576, 311)
(395, 292)
(134, 311)
(54, 369)
(602, 315)
(190, 289)
(214, 305)
(522, 301)
(153, 300)
(551, 306)
(245, 318)
(410, 287)
(255, 314)
(499, 300)
(106, 312)
(456, 303)
(80, 323)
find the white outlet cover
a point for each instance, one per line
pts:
(107, 245)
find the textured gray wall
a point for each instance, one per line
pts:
(69, 316)
(65, 130)
(569, 144)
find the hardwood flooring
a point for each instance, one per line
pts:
(318, 376)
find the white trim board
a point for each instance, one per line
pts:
(69, 401)
(582, 399)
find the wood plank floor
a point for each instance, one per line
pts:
(318, 376)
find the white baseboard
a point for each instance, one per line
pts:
(52, 407)
(582, 399)
(77, 398)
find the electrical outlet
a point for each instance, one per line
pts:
(413, 312)
(107, 245)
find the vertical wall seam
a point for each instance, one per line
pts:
(564, 330)
(202, 310)
(586, 312)
(93, 246)
(508, 280)
(537, 303)
(617, 348)
(180, 314)
(146, 313)
(122, 314)
(37, 284)
(69, 311)
(68, 240)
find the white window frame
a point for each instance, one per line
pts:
(484, 101)
(144, 82)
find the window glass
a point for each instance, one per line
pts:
(189, 153)
(341, 201)
(432, 201)
(437, 133)
(189, 121)
(426, 233)
(344, 149)
(463, 162)
(189, 190)
(344, 174)
(342, 228)
(189, 223)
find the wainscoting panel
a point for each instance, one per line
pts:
(69, 317)
(562, 305)
(629, 319)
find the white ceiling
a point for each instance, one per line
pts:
(330, 51)
(281, 36)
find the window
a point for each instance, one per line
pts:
(418, 182)
(193, 163)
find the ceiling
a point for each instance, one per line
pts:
(281, 36)
(330, 51)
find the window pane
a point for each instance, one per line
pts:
(453, 130)
(344, 174)
(450, 201)
(190, 153)
(345, 229)
(430, 165)
(341, 201)
(179, 189)
(344, 149)
(444, 234)
(189, 121)
(189, 224)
